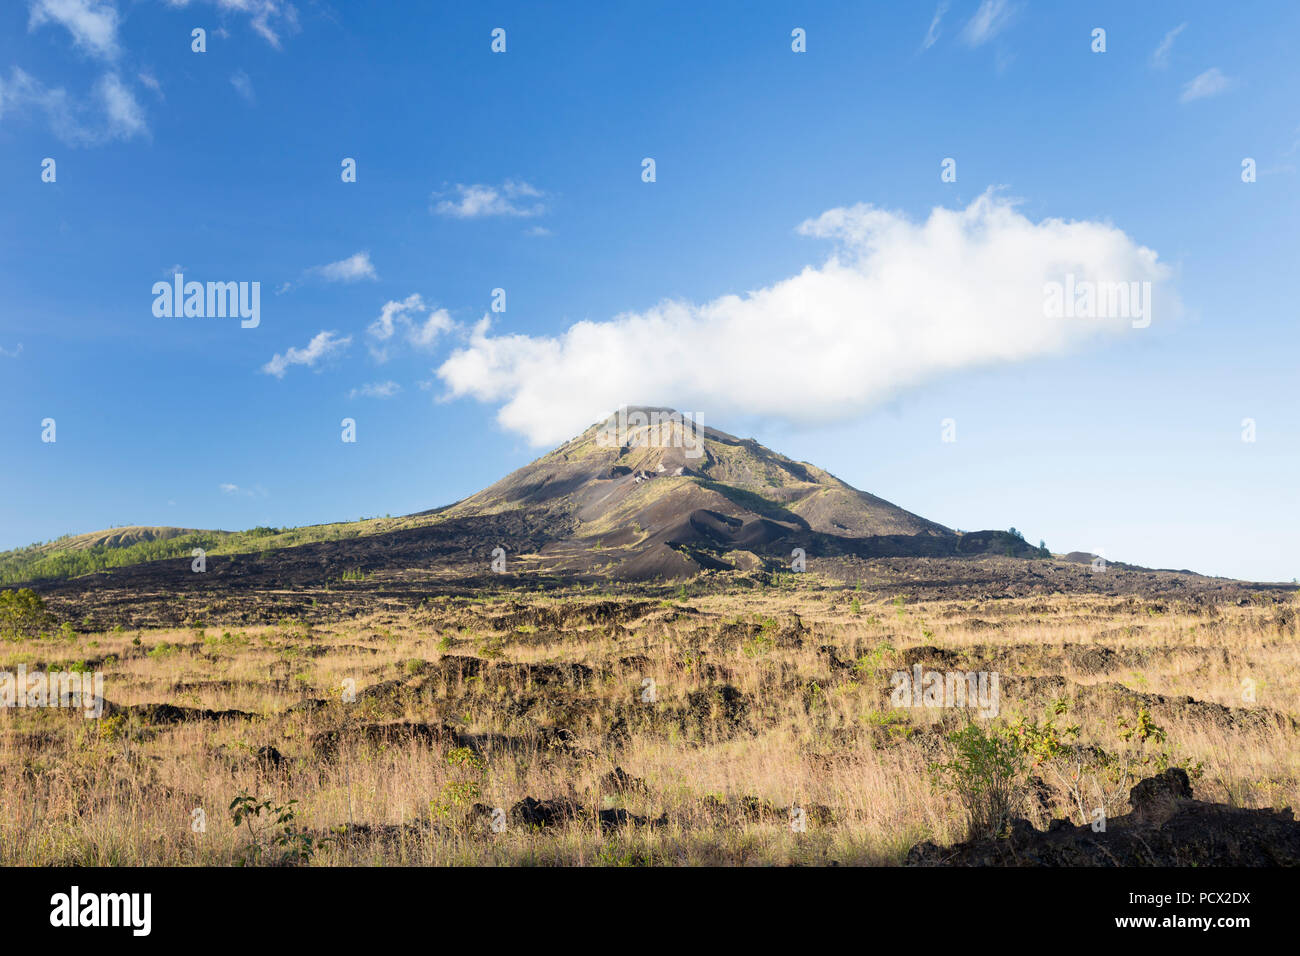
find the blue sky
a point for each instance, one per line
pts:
(523, 170)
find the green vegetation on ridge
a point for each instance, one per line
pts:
(68, 557)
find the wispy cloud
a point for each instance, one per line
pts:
(511, 198)
(269, 19)
(352, 269)
(992, 17)
(1210, 83)
(11, 353)
(151, 81)
(234, 490)
(424, 335)
(92, 23)
(404, 316)
(1160, 57)
(125, 117)
(932, 34)
(393, 313)
(1287, 154)
(324, 345)
(243, 86)
(899, 303)
(376, 390)
(111, 113)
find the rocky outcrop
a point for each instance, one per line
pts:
(1167, 826)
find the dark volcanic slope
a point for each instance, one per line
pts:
(662, 501)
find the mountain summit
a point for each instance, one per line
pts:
(651, 493)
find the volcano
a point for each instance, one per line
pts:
(645, 495)
(649, 494)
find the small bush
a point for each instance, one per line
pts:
(22, 614)
(274, 838)
(985, 771)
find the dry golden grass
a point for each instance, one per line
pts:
(810, 725)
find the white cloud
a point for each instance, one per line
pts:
(511, 198)
(1160, 58)
(11, 354)
(404, 315)
(21, 90)
(383, 327)
(376, 390)
(113, 113)
(352, 269)
(989, 20)
(151, 81)
(243, 86)
(270, 19)
(323, 345)
(92, 23)
(93, 26)
(1209, 83)
(897, 304)
(425, 335)
(932, 34)
(229, 488)
(125, 117)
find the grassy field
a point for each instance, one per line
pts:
(749, 726)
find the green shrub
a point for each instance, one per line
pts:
(985, 771)
(872, 665)
(274, 838)
(22, 614)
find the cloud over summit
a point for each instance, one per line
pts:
(898, 303)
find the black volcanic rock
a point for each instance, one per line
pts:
(1167, 827)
